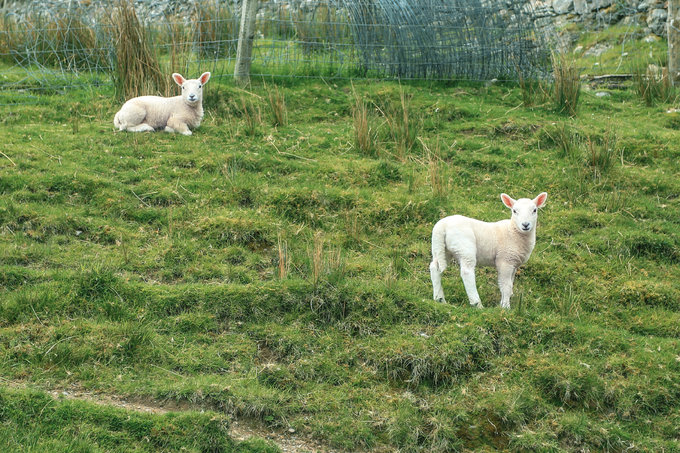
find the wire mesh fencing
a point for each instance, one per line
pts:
(65, 44)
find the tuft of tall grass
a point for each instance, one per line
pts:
(179, 39)
(404, 131)
(533, 90)
(284, 259)
(365, 134)
(62, 40)
(436, 171)
(137, 69)
(566, 84)
(216, 29)
(252, 116)
(320, 33)
(651, 82)
(600, 155)
(326, 265)
(277, 103)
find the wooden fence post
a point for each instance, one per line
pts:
(672, 24)
(246, 36)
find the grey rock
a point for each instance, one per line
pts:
(656, 21)
(580, 6)
(562, 6)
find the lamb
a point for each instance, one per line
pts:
(506, 244)
(175, 114)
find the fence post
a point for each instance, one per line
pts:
(672, 24)
(246, 35)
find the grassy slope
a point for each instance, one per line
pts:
(148, 265)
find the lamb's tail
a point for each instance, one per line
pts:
(439, 247)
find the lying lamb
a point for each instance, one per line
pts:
(506, 244)
(175, 114)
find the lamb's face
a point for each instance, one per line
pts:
(192, 90)
(524, 211)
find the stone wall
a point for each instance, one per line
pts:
(596, 14)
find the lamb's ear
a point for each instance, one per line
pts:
(507, 200)
(541, 199)
(179, 80)
(204, 78)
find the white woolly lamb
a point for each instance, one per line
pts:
(506, 244)
(175, 114)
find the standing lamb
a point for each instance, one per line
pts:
(175, 114)
(506, 244)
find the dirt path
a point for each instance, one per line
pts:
(287, 441)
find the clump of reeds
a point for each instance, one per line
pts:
(252, 116)
(651, 82)
(436, 171)
(601, 154)
(315, 35)
(216, 29)
(61, 40)
(179, 50)
(533, 89)
(566, 84)
(365, 135)
(284, 259)
(404, 131)
(325, 263)
(137, 70)
(277, 103)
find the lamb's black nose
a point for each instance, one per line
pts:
(525, 225)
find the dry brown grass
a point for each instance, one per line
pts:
(365, 135)
(567, 84)
(284, 260)
(277, 103)
(60, 41)
(216, 29)
(137, 70)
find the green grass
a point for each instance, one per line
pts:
(621, 47)
(148, 266)
(33, 421)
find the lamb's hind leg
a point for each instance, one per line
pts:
(131, 118)
(436, 276)
(467, 273)
(140, 128)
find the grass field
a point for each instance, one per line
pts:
(280, 273)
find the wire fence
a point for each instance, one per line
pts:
(65, 45)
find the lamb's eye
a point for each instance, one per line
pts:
(534, 210)
(182, 87)
(514, 211)
(200, 86)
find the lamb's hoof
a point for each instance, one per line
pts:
(186, 133)
(478, 305)
(441, 299)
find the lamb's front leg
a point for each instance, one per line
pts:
(506, 278)
(467, 273)
(177, 125)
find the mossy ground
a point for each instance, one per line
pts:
(150, 265)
